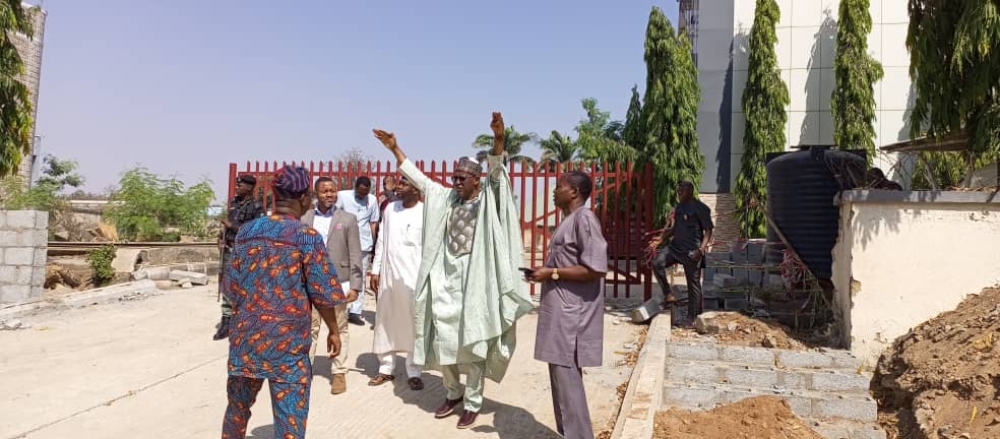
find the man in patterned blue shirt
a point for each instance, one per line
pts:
(279, 271)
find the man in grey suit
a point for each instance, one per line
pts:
(343, 240)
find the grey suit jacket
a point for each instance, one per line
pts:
(344, 244)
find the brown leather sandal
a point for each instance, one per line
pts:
(381, 379)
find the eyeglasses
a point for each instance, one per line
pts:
(458, 178)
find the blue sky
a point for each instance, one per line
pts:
(185, 87)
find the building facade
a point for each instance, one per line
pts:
(30, 50)
(807, 31)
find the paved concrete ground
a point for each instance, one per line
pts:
(148, 369)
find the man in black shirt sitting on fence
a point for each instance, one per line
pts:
(691, 228)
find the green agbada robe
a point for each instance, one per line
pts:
(466, 306)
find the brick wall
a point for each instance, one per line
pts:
(31, 54)
(24, 239)
(723, 206)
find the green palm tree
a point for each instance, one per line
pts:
(15, 98)
(558, 149)
(513, 143)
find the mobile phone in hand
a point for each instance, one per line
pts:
(527, 271)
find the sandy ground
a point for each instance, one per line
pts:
(148, 368)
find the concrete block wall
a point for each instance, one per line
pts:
(24, 238)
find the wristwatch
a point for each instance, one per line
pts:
(555, 274)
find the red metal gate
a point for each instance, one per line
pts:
(622, 199)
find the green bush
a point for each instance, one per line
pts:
(100, 261)
(146, 207)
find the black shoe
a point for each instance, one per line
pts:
(355, 319)
(223, 331)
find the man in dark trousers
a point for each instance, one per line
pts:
(243, 209)
(692, 234)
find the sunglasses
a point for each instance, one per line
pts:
(459, 178)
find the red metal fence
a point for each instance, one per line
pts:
(622, 199)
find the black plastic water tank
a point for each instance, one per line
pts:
(801, 187)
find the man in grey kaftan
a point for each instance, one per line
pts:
(468, 295)
(571, 317)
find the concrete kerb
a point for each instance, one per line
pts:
(636, 418)
(96, 295)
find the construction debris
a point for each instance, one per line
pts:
(940, 379)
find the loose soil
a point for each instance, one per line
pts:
(942, 379)
(760, 417)
(738, 329)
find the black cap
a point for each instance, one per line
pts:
(248, 179)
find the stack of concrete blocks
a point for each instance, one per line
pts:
(828, 389)
(729, 275)
(24, 241)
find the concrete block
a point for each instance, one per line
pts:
(739, 253)
(42, 220)
(692, 398)
(746, 355)
(684, 372)
(774, 280)
(693, 352)
(736, 304)
(37, 291)
(755, 252)
(855, 409)
(1, 256)
(844, 360)
(21, 219)
(3, 218)
(801, 406)
(37, 277)
(848, 430)
(756, 276)
(734, 395)
(15, 275)
(8, 238)
(14, 293)
(40, 238)
(41, 257)
(195, 278)
(795, 380)
(756, 378)
(840, 382)
(708, 275)
(803, 360)
(19, 256)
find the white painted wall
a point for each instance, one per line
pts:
(905, 257)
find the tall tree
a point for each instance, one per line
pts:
(670, 111)
(633, 134)
(15, 98)
(764, 101)
(558, 149)
(955, 65)
(856, 72)
(514, 141)
(599, 138)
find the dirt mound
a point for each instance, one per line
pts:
(733, 328)
(759, 417)
(942, 379)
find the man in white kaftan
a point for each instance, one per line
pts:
(469, 293)
(393, 278)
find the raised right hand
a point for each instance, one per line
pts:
(388, 139)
